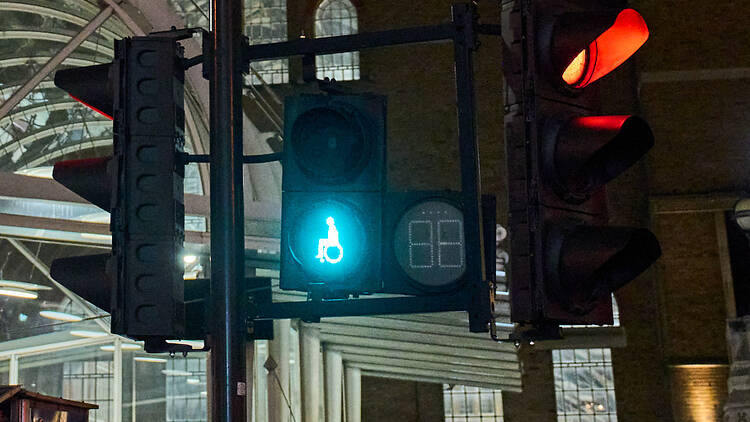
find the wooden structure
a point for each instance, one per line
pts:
(19, 405)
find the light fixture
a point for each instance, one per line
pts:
(149, 359)
(60, 316)
(189, 259)
(176, 373)
(193, 381)
(19, 293)
(88, 333)
(742, 214)
(195, 344)
(123, 346)
(23, 285)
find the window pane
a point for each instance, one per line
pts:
(584, 388)
(333, 18)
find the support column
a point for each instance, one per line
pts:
(353, 394)
(278, 372)
(334, 368)
(117, 381)
(309, 352)
(13, 370)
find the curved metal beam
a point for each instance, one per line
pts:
(20, 61)
(9, 6)
(67, 103)
(51, 36)
(57, 129)
(90, 144)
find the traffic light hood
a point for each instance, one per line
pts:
(91, 85)
(587, 152)
(588, 263)
(90, 178)
(588, 45)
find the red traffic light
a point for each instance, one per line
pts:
(91, 86)
(588, 46)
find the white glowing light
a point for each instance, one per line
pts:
(23, 285)
(60, 316)
(189, 259)
(149, 359)
(124, 346)
(176, 373)
(19, 293)
(193, 381)
(331, 242)
(195, 344)
(88, 333)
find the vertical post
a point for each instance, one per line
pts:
(278, 377)
(353, 394)
(334, 367)
(13, 370)
(227, 340)
(117, 378)
(464, 19)
(309, 344)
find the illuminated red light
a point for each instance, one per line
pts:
(92, 107)
(609, 50)
(600, 122)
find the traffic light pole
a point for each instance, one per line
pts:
(227, 332)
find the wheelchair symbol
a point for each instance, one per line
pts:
(331, 242)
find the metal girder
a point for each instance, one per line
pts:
(51, 36)
(13, 6)
(455, 350)
(415, 337)
(56, 60)
(64, 104)
(89, 143)
(23, 61)
(58, 129)
(428, 328)
(439, 368)
(468, 361)
(379, 374)
(497, 382)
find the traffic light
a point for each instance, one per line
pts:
(565, 260)
(333, 183)
(141, 282)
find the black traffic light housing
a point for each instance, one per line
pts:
(565, 260)
(141, 282)
(334, 177)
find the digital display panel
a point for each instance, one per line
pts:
(429, 243)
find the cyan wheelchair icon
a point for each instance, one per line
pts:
(331, 242)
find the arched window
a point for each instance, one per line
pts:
(336, 17)
(265, 22)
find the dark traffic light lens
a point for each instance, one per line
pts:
(329, 145)
(429, 243)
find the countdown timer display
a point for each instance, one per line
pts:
(429, 243)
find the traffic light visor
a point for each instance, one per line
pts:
(608, 51)
(590, 151)
(91, 86)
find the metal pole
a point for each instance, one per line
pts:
(227, 334)
(309, 356)
(464, 45)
